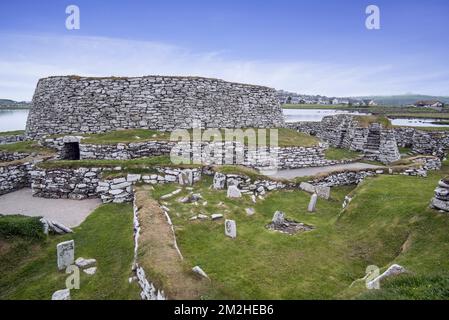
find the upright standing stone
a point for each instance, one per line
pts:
(278, 218)
(186, 177)
(65, 254)
(231, 229)
(219, 181)
(312, 203)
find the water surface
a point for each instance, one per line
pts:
(11, 120)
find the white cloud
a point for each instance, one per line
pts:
(26, 58)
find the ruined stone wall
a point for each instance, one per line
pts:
(423, 142)
(74, 104)
(12, 156)
(83, 183)
(344, 131)
(5, 139)
(14, 176)
(287, 157)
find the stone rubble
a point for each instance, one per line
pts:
(394, 270)
(61, 295)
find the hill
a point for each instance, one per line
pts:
(11, 104)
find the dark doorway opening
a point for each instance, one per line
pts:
(71, 151)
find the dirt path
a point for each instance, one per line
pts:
(71, 213)
(158, 255)
(306, 172)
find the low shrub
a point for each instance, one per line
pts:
(21, 226)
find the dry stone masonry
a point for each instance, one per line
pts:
(83, 183)
(72, 104)
(345, 131)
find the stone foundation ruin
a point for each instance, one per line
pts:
(345, 131)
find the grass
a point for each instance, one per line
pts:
(286, 137)
(405, 150)
(29, 269)
(12, 133)
(21, 226)
(241, 170)
(126, 136)
(387, 222)
(26, 147)
(342, 154)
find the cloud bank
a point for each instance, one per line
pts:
(26, 58)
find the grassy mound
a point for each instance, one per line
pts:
(341, 154)
(366, 121)
(286, 137)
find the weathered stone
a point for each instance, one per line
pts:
(61, 295)
(85, 263)
(312, 203)
(65, 252)
(200, 272)
(90, 271)
(307, 187)
(219, 181)
(231, 228)
(394, 270)
(323, 192)
(216, 216)
(234, 192)
(250, 211)
(278, 218)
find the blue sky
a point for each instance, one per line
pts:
(315, 47)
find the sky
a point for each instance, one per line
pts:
(305, 46)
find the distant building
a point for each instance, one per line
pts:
(432, 104)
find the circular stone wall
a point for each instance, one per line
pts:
(72, 104)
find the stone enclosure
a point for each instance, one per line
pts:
(72, 104)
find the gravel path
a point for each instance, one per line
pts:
(71, 213)
(305, 172)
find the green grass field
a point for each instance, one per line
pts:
(341, 154)
(28, 267)
(387, 212)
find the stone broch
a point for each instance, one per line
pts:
(65, 254)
